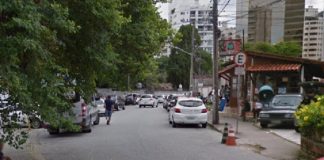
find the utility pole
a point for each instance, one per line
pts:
(191, 86)
(215, 63)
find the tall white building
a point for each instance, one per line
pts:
(313, 43)
(198, 12)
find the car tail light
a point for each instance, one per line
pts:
(204, 110)
(177, 110)
(83, 109)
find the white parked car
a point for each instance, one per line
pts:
(147, 100)
(160, 98)
(188, 111)
(100, 103)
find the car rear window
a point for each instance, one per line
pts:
(286, 101)
(190, 103)
(146, 96)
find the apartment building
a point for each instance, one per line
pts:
(313, 43)
(197, 12)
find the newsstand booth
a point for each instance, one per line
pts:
(281, 73)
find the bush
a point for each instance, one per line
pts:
(311, 119)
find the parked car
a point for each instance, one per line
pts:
(281, 109)
(17, 116)
(160, 98)
(83, 114)
(100, 104)
(119, 102)
(147, 100)
(188, 111)
(173, 100)
(132, 99)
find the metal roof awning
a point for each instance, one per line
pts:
(275, 68)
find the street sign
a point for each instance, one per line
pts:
(239, 71)
(240, 59)
(229, 47)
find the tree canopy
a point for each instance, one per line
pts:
(49, 48)
(177, 65)
(282, 48)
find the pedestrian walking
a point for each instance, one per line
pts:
(109, 104)
(246, 108)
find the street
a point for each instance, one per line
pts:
(137, 134)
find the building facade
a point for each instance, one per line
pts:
(274, 21)
(313, 43)
(266, 20)
(242, 7)
(197, 12)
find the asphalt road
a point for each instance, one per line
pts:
(138, 134)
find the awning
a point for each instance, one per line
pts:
(227, 69)
(274, 67)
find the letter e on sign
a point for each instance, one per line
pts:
(240, 59)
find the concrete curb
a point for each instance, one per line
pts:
(214, 128)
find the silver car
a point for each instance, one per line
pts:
(84, 115)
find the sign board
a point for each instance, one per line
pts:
(229, 47)
(240, 59)
(239, 71)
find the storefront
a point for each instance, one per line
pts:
(283, 74)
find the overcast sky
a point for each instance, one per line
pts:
(229, 13)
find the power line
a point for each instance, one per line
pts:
(224, 7)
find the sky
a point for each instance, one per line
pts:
(229, 12)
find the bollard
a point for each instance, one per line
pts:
(225, 134)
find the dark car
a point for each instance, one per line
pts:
(131, 99)
(281, 109)
(173, 100)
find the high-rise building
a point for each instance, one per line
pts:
(294, 20)
(313, 43)
(242, 7)
(275, 20)
(266, 20)
(197, 12)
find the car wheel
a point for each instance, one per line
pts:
(97, 120)
(174, 125)
(88, 128)
(123, 108)
(35, 123)
(204, 125)
(140, 106)
(264, 125)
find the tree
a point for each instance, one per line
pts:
(29, 70)
(282, 48)
(138, 42)
(178, 68)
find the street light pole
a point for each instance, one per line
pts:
(192, 56)
(215, 63)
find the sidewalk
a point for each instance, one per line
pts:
(260, 141)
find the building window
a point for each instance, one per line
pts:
(312, 34)
(182, 13)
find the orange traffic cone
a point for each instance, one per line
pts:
(231, 139)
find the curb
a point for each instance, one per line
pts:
(214, 128)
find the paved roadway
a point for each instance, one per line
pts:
(138, 134)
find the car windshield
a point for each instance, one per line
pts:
(190, 103)
(286, 101)
(146, 96)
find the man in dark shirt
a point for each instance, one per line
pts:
(109, 107)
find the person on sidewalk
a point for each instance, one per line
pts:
(246, 108)
(2, 157)
(257, 107)
(109, 104)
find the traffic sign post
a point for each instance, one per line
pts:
(239, 60)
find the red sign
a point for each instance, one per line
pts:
(229, 47)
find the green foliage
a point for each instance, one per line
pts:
(283, 48)
(177, 65)
(46, 46)
(138, 42)
(311, 119)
